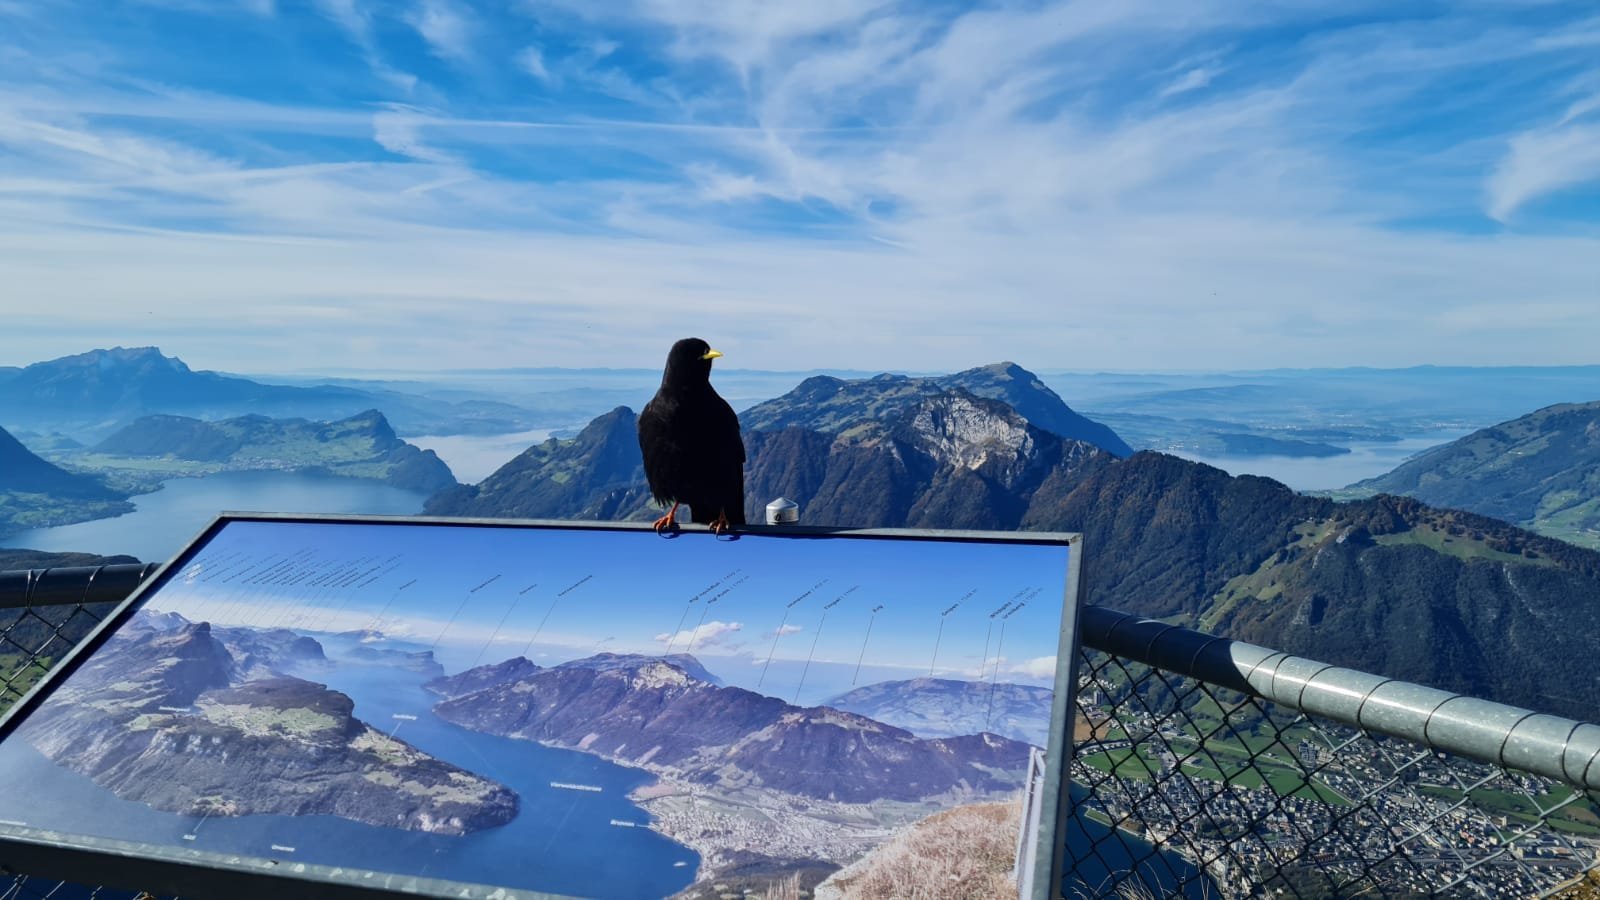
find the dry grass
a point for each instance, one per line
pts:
(966, 852)
(1098, 730)
(787, 889)
(1586, 889)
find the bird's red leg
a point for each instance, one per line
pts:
(670, 520)
(721, 525)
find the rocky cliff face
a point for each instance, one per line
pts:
(833, 405)
(948, 460)
(649, 712)
(164, 715)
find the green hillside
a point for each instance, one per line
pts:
(158, 447)
(1540, 471)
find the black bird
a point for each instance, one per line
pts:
(689, 438)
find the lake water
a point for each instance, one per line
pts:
(1366, 459)
(562, 841)
(163, 522)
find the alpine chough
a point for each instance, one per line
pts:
(689, 437)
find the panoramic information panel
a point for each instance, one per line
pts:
(452, 708)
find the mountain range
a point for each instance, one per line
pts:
(92, 394)
(1540, 471)
(890, 450)
(945, 707)
(361, 446)
(1383, 584)
(650, 711)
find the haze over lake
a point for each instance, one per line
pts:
(1366, 459)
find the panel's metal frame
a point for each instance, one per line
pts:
(181, 871)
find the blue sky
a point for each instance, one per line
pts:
(272, 185)
(481, 595)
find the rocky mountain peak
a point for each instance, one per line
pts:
(372, 421)
(120, 358)
(837, 406)
(960, 430)
(679, 669)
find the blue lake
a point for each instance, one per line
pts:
(163, 522)
(562, 841)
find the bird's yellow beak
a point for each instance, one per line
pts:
(712, 354)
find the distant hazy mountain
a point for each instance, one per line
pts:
(650, 712)
(362, 446)
(944, 707)
(832, 405)
(1541, 471)
(1191, 413)
(93, 392)
(35, 493)
(122, 383)
(1387, 585)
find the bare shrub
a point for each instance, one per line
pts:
(787, 889)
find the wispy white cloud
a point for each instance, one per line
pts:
(1543, 161)
(709, 634)
(447, 27)
(1042, 667)
(398, 129)
(355, 18)
(531, 59)
(1192, 80)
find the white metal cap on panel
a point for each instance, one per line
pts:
(783, 511)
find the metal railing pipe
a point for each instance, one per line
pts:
(1555, 747)
(71, 584)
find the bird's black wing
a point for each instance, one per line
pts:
(726, 474)
(663, 458)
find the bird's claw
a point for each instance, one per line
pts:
(668, 522)
(721, 526)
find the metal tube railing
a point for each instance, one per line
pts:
(75, 584)
(1507, 736)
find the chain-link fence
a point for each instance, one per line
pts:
(1192, 787)
(45, 612)
(21, 887)
(1201, 768)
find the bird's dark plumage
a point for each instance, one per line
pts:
(689, 437)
